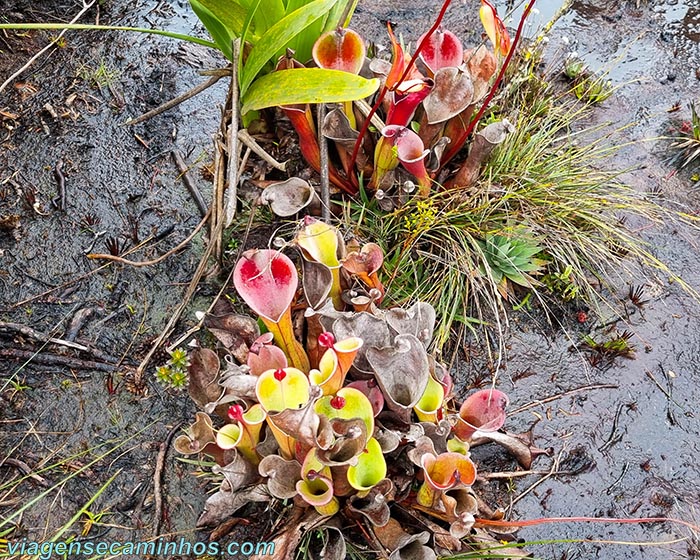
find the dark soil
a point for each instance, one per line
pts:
(635, 449)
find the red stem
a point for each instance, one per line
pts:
(542, 520)
(384, 91)
(462, 139)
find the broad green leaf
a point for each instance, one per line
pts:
(229, 13)
(272, 12)
(304, 42)
(252, 8)
(306, 85)
(278, 36)
(218, 30)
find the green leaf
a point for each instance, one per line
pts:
(278, 36)
(303, 43)
(221, 27)
(252, 9)
(337, 11)
(306, 85)
(230, 13)
(89, 27)
(272, 12)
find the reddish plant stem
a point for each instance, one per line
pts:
(542, 520)
(472, 124)
(385, 89)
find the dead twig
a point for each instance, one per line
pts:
(245, 137)
(176, 101)
(55, 40)
(365, 109)
(39, 336)
(59, 200)
(158, 479)
(669, 396)
(187, 180)
(160, 259)
(25, 469)
(55, 360)
(552, 472)
(78, 322)
(232, 143)
(615, 436)
(325, 187)
(520, 474)
(562, 395)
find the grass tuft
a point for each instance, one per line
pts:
(544, 196)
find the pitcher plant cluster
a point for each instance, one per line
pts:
(429, 103)
(338, 405)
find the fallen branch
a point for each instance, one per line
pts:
(325, 186)
(250, 142)
(55, 360)
(179, 99)
(232, 146)
(25, 469)
(552, 471)
(158, 478)
(562, 395)
(39, 336)
(519, 474)
(187, 180)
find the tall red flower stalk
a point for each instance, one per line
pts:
(385, 89)
(452, 152)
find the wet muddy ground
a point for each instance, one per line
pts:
(635, 448)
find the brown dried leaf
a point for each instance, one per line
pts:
(375, 504)
(302, 424)
(350, 441)
(333, 545)
(204, 370)
(317, 280)
(225, 503)
(402, 545)
(197, 436)
(522, 451)
(438, 434)
(236, 332)
(240, 386)
(452, 94)
(422, 446)
(238, 473)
